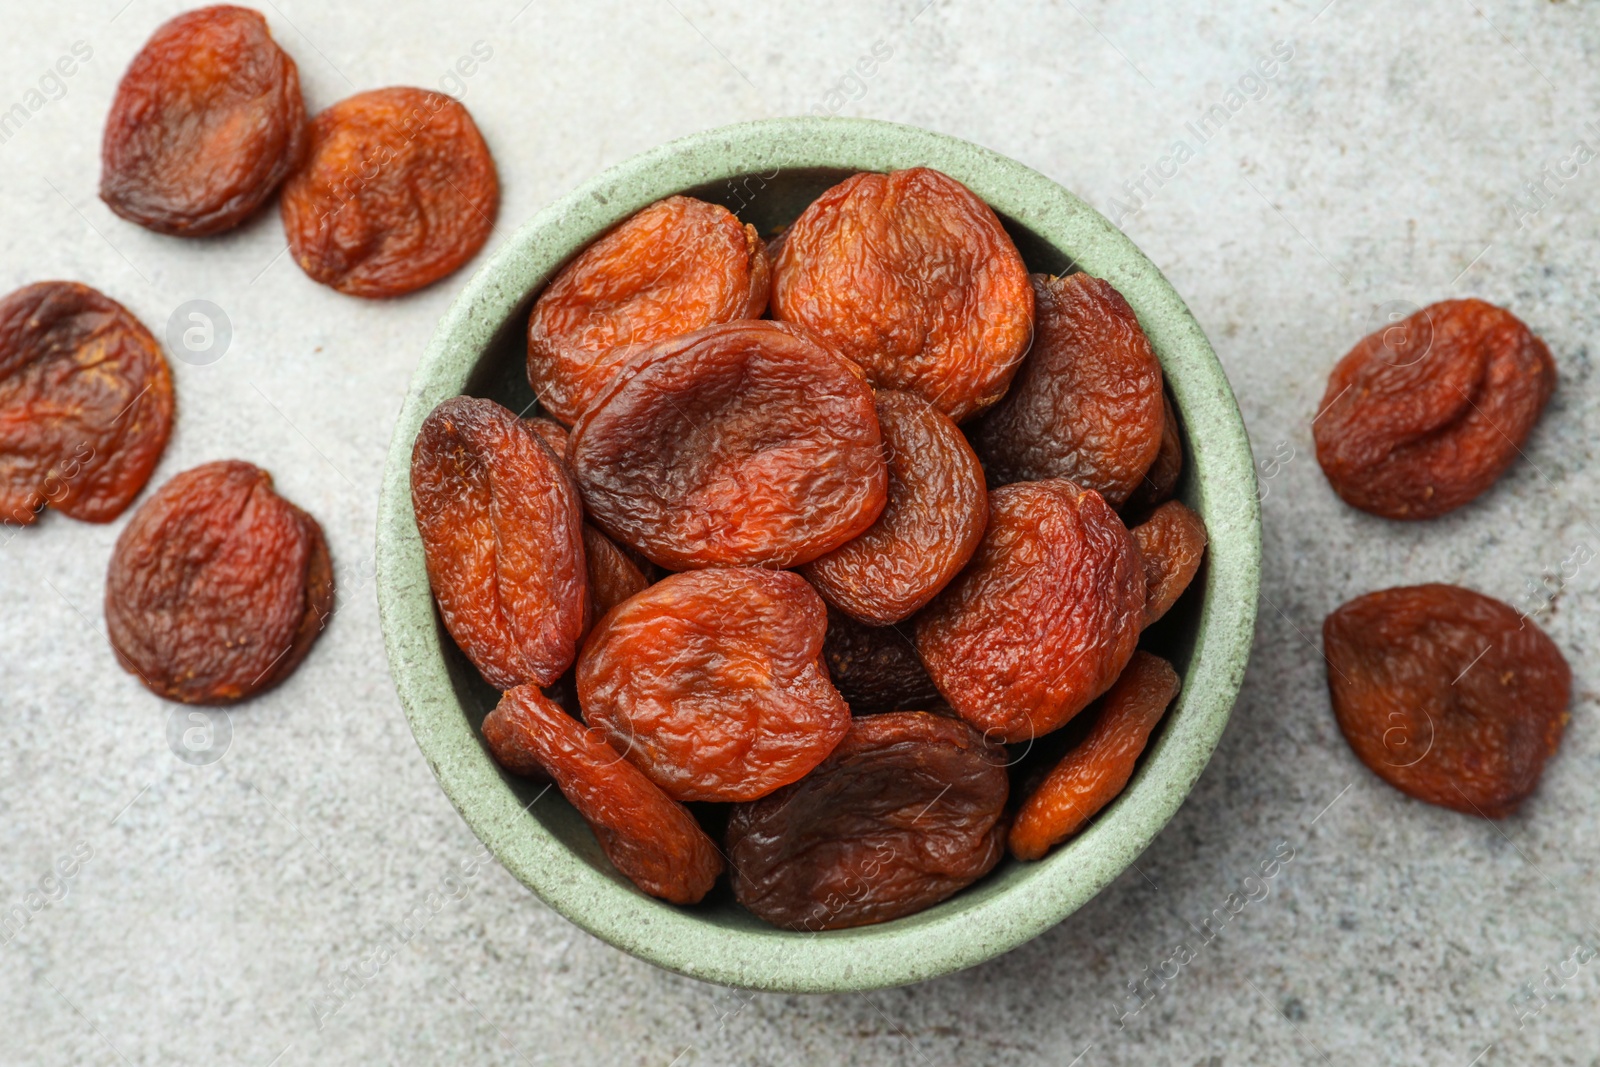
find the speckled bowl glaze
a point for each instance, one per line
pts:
(768, 171)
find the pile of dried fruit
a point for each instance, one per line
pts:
(823, 567)
(831, 528)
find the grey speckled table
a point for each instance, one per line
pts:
(1388, 157)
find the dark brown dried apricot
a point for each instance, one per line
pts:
(85, 403)
(913, 277)
(218, 586)
(206, 123)
(1087, 403)
(397, 191)
(711, 683)
(907, 811)
(675, 267)
(876, 668)
(1172, 542)
(1424, 415)
(1045, 617)
(502, 533)
(1094, 771)
(929, 528)
(1449, 696)
(1161, 480)
(613, 575)
(650, 838)
(746, 443)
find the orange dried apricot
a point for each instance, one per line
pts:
(1448, 695)
(502, 535)
(650, 838)
(913, 277)
(711, 682)
(677, 266)
(1045, 617)
(1094, 771)
(1172, 542)
(746, 443)
(85, 403)
(929, 528)
(397, 191)
(1423, 416)
(206, 123)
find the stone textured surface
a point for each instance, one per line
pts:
(1386, 160)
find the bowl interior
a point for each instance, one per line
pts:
(480, 351)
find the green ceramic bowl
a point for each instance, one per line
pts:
(768, 172)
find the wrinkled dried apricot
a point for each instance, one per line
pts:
(1422, 416)
(875, 668)
(650, 838)
(1449, 696)
(711, 683)
(746, 443)
(218, 586)
(553, 434)
(678, 265)
(1045, 617)
(911, 276)
(1161, 480)
(1172, 541)
(1086, 404)
(85, 403)
(1094, 771)
(613, 575)
(905, 812)
(397, 191)
(929, 528)
(206, 123)
(502, 534)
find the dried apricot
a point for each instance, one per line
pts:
(1422, 416)
(397, 191)
(218, 586)
(1045, 617)
(746, 443)
(913, 277)
(1172, 541)
(1449, 696)
(875, 668)
(553, 434)
(206, 123)
(85, 403)
(650, 838)
(711, 682)
(1086, 404)
(613, 575)
(1161, 480)
(904, 813)
(678, 265)
(502, 534)
(929, 528)
(1094, 771)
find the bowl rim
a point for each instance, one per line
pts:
(973, 926)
